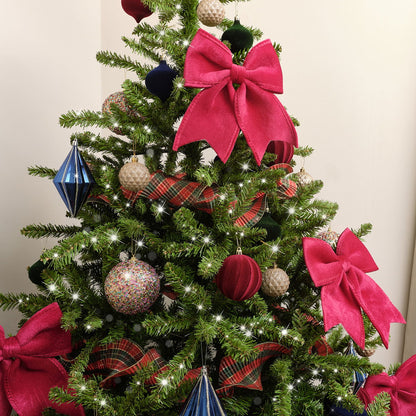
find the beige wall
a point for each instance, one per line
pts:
(348, 69)
(48, 66)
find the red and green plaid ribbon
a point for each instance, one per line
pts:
(178, 191)
(124, 357)
(247, 374)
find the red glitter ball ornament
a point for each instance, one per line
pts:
(136, 9)
(239, 277)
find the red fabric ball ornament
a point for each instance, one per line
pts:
(282, 150)
(239, 277)
(136, 9)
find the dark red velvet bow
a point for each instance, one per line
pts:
(401, 386)
(219, 112)
(346, 288)
(27, 369)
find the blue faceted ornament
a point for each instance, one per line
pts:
(203, 401)
(74, 181)
(359, 377)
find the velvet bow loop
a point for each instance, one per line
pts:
(401, 386)
(219, 112)
(346, 288)
(27, 367)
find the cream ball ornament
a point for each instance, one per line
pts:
(210, 12)
(304, 178)
(134, 176)
(275, 282)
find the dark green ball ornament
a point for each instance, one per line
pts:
(35, 272)
(270, 225)
(239, 37)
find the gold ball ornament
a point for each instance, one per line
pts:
(275, 282)
(210, 12)
(134, 176)
(304, 178)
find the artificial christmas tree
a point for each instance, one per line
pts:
(264, 355)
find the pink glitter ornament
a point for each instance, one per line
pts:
(132, 286)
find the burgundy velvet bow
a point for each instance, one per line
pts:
(219, 112)
(346, 288)
(27, 369)
(401, 386)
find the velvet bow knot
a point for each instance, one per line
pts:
(27, 367)
(401, 386)
(219, 112)
(346, 288)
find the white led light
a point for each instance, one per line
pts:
(107, 186)
(83, 388)
(242, 327)
(128, 205)
(115, 125)
(222, 197)
(261, 331)
(290, 387)
(291, 211)
(206, 240)
(113, 237)
(160, 209)
(94, 239)
(200, 307)
(20, 301)
(52, 287)
(230, 211)
(284, 332)
(263, 180)
(82, 245)
(164, 382)
(140, 244)
(55, 255)
(193, 238)
(339, 398)
(209, 265)
(115, 197)
(103, 402)
(178, 7)
(245, 166)
(218, 318)
(88, 327)
(335, 370)
(181, 366)
(138, 383)
(180, 85)
(185, 42)
(75, 296)
(104, 167)
(275, 248)
(187, 289)
(249, 333)
(240, 184)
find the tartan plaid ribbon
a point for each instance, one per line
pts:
(178, 191)
(247, 374)
(124, 357)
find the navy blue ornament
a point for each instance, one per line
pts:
(340, 411)
(203, 401)
(159, 81)
(359, 377)
(74, 181)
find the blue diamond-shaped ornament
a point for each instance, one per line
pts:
(74, 181)
(359, 377)
(203, 401)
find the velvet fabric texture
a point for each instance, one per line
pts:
(239, 277)
(346, 289)
(219, 112)
(401, 386)
(136, 9)
(159, 81)
(27, 369)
